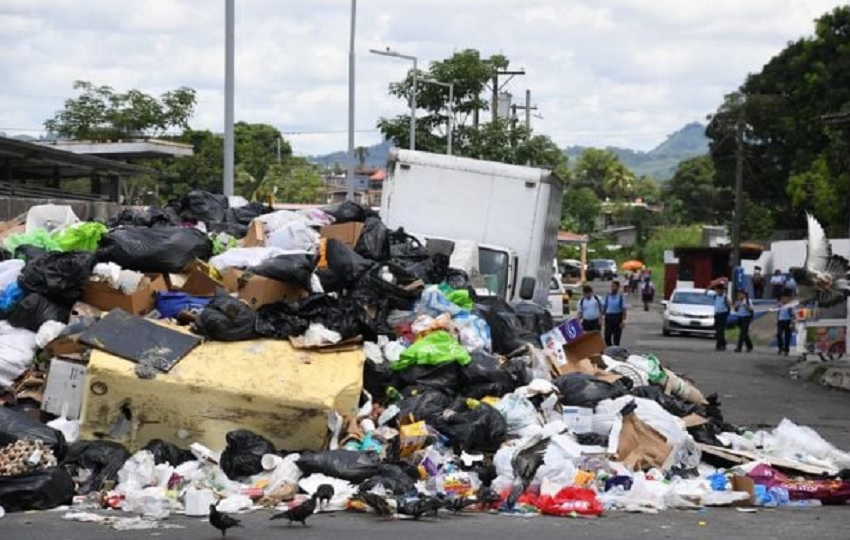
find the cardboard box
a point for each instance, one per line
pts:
(259, 290)
(584, 346)
(412, 438)
(66, 383)
(141, 302)
(256, 235)
(744, 483)
(66, 346)
(579, 420)
(347, 233)
(200, 281)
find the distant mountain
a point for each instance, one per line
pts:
(377, 156)
(660, 162)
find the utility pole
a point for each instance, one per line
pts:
(349, 177)
(527, 108)
(739, 182)
(229, 41)
(496, 88)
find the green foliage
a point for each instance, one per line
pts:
(580, 210)
(295, 180)
(100, 113)
(602, 171)
(694, 187)
(666, 238)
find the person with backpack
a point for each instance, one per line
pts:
(614, 311)
(590, 310)
(647, 292)
(784, 321)
(744, 311)
(721, 315)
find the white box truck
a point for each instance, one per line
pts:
(511, 212)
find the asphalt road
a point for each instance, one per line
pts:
(755, 391)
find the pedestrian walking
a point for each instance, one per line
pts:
(721, 315)
(791, 286)
(744, 311)
(632, 284)
(783, 323)
(758, 283)
(614, 310)
(777, 283)
(590, 310)
(647, 292)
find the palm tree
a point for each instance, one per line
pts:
(362, 153)
(619, 182)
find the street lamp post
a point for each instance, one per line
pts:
(450, 110)
(394, 54)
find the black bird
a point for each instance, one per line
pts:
(824, 276)
(487, 496)
(525, 464)
(222, 521)
(324, 493)
(458, 504)
(377, 503)
(299, 513)
(418, 507)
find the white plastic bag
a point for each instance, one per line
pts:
(137, 473)
(235, 503)
(50, 217)
(17, 348)
(69, 428)
(295, 235)
(244, 257)
(803, 443)
(9, 272)
(519, 412)
(277, 220)
(343, 491)
(47, 332)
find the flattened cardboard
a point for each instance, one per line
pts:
(65, 346)
(141, 302)
(65, 386)
(585, 346)
(347, 233)
(200, 282)
(746, 484)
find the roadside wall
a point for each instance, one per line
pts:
(11, 207)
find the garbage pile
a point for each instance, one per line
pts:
(455, 401)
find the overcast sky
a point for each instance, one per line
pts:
(602, 72)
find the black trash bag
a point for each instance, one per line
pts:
(487, 375)
(5, 255)
(348, 211)
(244, 453)
(103, 459)
(672, 405)
(592, 439)
(227, 319)
(15, 425)
(534, 317)
(407, 249)
(166, 452)
(280, 320)
(41, 490)
(377, 378)
(425, 405)
(446, 377)
(618, 353)
(203, 206)
(244, 215)
(147, 217)
(355, 467)
(478, 429)
(456, 279)
(29, 253)
(235, 230)
(337, 315)
(347, 266)
(506, 329)
(393, 478)
(34, 310)
(166, 250)
(58, 276)
(374, 240)
(582, 390)
(295, 269)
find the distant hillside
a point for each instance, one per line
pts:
(377, 156)
(661, 162)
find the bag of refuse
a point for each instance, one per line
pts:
(423, 405)
(295, 235)
(671, 404)
(34, 309)
(280, 321)
(407, 249)
(582, 390)
(295, 269)
(82, 237)
(570, 501)
(37, 239)
(103, 460)
(146, 217)
(166, 250)
(245, 214)
(456, 279)
(9, 272)
(203, 206)
(392, 282)
(15, 425)
(235, 230)
(473, 426)
(348, 211)
(340, 315)
(355, 467)
(50, 217)
(166, 452)
(244, 453)
(17, 350)
(10, 297)
(446, 377)
(488, 375)
(40, 490)
(244, 257)
(58, 276)
(30, 253)
(506, 329)
(170, 303)
(374, 240)
(346, 266)
(434, 349)
(393, 478)
(227, 319)
(473, 332)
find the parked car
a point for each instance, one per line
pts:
(601, 269)
(571, 268)
(558, 302)
(689, 311)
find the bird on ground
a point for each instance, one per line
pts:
(458, 504)
(222, 521)
(299, 513)
(824, 276)
(324, 493)
(418, 507)
(487, 496)
(525, 463)
(377, 503)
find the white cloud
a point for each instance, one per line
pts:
(602, 72)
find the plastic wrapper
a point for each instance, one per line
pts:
(157, 250)
(50, 217)
(40, 490)
(244, 453)
(354, 467)
(828, 491)
(227, 319)
(473, 332)
(70, 429)
(343, 491)
(103, 460)
(58, 276)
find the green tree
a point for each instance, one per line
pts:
(362, 153)
(648, 189)
(295, 180)
(602, 171)
(100, 113)
(693, 186)
(580, 210)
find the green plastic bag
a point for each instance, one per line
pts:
(460, 297)
(220, 246)
(432, 350)
(82, 237)
(38, 238)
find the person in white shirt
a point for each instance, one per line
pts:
(590, 310)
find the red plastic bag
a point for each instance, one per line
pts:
(571, 501)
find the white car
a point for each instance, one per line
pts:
(558, 302)
(689, 311)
